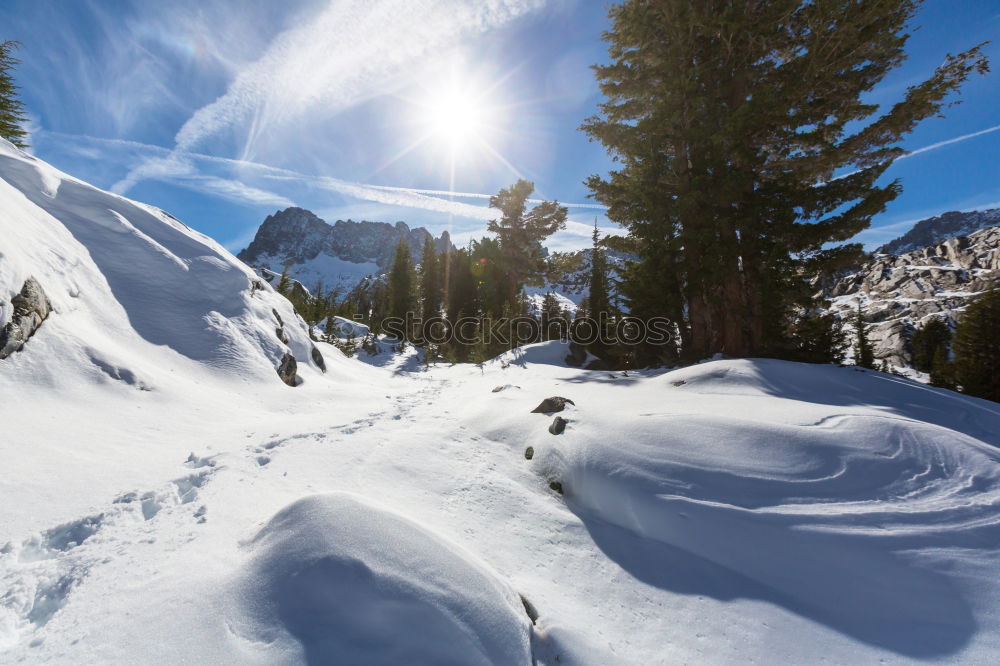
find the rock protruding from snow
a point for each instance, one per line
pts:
(551, 405)
(317, 358)
(287, 369)
(31, 307)
(558, 425)
(334, 579)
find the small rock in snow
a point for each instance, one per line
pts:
(558, 425)
(551, 405)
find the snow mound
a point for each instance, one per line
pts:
(343, 581)
(343, 327)
(552, 352)
(136, 294)
(784, 476)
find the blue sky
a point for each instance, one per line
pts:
(223, 112)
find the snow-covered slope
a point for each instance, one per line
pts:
(137, 296)
(731, 512)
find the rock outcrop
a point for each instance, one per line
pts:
(31, 306)
(899, 293)
(288, 369)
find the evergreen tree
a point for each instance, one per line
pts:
(976, 347)
(521, 231)
(431, 284)
(551, 317)
(926, 342)
(488, 267)
(942, 370)
(12, 115)
(401, 282)
(728, 120)
(600, 300)
(816, 337)
(462, 287)
(284, 284)
(864, 355)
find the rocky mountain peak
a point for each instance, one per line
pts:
(937, 229)
(340, 253)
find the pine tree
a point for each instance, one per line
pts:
(942, 370)
(12, 116)
(728, 120)
(864, 355)
(926, 342)
(430, 281)
(401, 279)
(815, 337)
(521, 232)
(600, 300)
(284, 283)
(976, 347)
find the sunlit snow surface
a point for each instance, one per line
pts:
(730, 512)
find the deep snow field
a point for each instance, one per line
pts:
(165, 498)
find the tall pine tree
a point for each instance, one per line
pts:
(520, 232)
(401, 279)
(977, 347)
(12, 116)
(431, 283)
(864, 355)
(729, 120)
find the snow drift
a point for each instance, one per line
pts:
(796, 479)
(346, 582)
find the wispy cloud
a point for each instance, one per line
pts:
(201, 172)
(348, 52)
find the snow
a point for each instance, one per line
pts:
(332, 577)
(331, 271)
(203, 512)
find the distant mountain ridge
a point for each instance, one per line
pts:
(340, 253)
(940, 228)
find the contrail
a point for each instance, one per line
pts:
(947, 142)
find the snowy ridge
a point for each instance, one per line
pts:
(135, 292)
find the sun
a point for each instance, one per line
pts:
(455, 116)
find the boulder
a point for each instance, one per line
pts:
(318, 359)
(31, 307)
(552, 405)
(529, 453)
(287, 369)
(558, 425)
